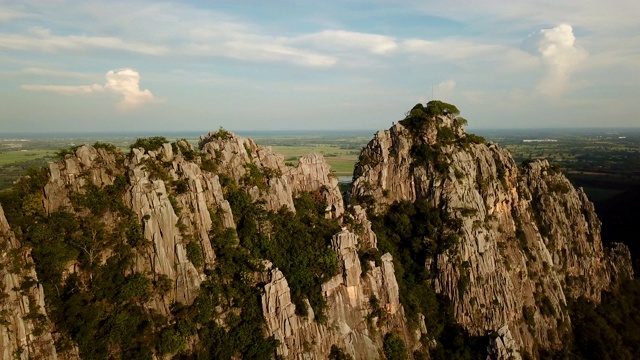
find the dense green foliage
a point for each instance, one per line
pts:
(610, 330)
(475, 139)
(150, 143)
(394, 347)
(437, 107)
(182, 146)
(306, 262)
(228, 291)
(455, 343)
(424, 154)
(338, 354)
(101, 306)
(254, 177)
(420, 119)
(420, 116)
(417, 120)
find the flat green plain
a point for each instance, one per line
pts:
(341, 160)
(15, 156)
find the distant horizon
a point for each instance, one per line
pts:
(248, 133)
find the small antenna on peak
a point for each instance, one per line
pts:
(432, 92)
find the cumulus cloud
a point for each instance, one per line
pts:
(125, 83)
(560, 55)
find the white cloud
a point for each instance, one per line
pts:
(349, 40)
(560, 55)
(44, 72)
(452, 49)
(250, 50)
(123, 82)
(41, 39)
(592, 14)
(65, 89)
(126, 82)
(37, 71)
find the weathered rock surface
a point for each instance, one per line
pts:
(238, 156)
(177, 203)
(277, 183)
(570, 231)
(351, 323)
(86, 165)
(502, 346)
(314, 174)
(25, 331)
(167, 255)
(527, 240)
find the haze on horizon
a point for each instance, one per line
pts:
(96, 66)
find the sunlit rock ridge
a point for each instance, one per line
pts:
(226, 251)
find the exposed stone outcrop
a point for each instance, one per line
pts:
(502, 346)
(351, 323)
(620, 265)
(252, 165)
(314, 174)
(177, 203)
(86, 165)
(527, 240)
(167, 255)
(506, 263)
(25, 330)
(268, 177)
(570, 230)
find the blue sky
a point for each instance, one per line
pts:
(296, 65)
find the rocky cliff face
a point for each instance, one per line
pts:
(527, 239)
(25, 331)
(174, 228)
(168, 198)
(361, 309)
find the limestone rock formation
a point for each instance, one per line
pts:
(314, 174)
(502, 346)
(354, 322)
(266, 174)
(25, 330)
(525, 242)
(527, 238)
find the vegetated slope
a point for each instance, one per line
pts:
(226, 252)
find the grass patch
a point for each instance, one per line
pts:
(11, 157)
(342, 161)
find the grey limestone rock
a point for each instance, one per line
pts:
(527, 238)
(25, 330)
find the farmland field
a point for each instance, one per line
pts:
(18, 156)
